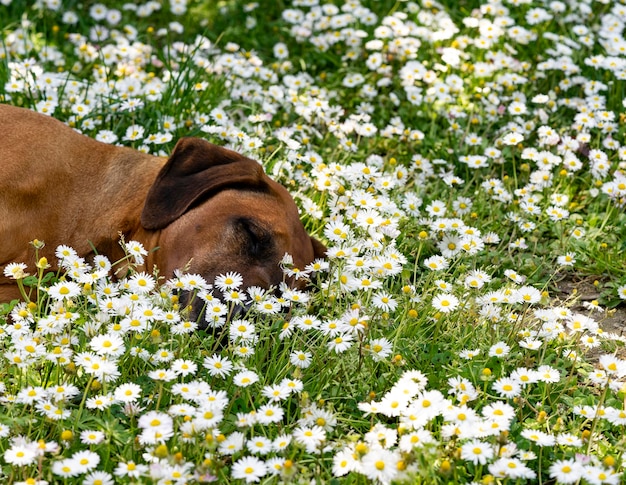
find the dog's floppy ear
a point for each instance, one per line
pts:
(196, 170)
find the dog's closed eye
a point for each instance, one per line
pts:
(258, 242)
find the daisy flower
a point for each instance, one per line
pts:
(245, 378)
(511, 468)
(235, 297)
(380, 349)
(507, 387)
(141, 283)
(514, 276)
(568, 259)
(476, 451)
(30, 395)
(268, 306)
(613, 365)
(275, 465)
(436, 263)
(242, 329)
(597, 475)
(427, 405)
(89, 437)
(547, 373)
(21, 454)
(384, 301)
(415, 439)
(136, 250)
(208, 416)
(232, 444)
(259, 445)
(276, 392)
(249, 468)
(527, 294)
(380, 465)
(318, 265)
(184, 367)
(539, 437)
(294, 385)
(615, 416)
(85, 460)
(244, 350)
(101, 368)
(130, 469)
(566, 471)
(281, 442)
(64, 290)
(164, 375)
(100, 402)
(445, 302)
(499, 349)
(127, 393)
(98, 478)
(524, 376)
(301, 358)
(191, 282)
(436, 208)
(311, 437)
(156, 420)
(345, 461)
(341, 342)
(134, 132)
(568, 439)
(469, 354)
(108, 344)
(512, 139)
(270, 413)
(16, 271)
(66, 468)
(381, 435)
(229, 281)
(63, 252)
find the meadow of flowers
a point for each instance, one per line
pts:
(459, 160)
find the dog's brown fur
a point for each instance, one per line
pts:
(204, 204)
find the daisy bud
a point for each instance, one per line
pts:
(37, 244)
(161, 451)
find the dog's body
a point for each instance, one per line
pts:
(204, 204)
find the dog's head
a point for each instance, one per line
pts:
(219, 211)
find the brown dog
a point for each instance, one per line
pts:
(204, 204)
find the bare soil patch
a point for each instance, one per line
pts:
(578, 290)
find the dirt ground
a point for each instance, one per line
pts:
(575, 291)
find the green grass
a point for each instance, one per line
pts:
(378, 290)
